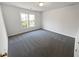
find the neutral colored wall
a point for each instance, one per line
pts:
(13, 20)
(63, 20)
(3, 35)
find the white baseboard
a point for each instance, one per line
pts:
(22, 32)
(59, 33)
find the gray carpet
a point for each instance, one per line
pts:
(41, 43)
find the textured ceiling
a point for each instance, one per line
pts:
(36, 7)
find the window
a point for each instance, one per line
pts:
(24, 20)
(31, 20)
(27, 20)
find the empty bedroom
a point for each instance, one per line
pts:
(39, 29)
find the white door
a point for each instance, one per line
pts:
(76, 50)
(3, 36)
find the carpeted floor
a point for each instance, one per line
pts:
(41, 43)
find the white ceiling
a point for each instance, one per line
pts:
(36, 7)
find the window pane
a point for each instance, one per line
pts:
(24, 19)
(31, 20)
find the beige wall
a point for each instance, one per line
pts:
(13, 20)
(63, 20)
